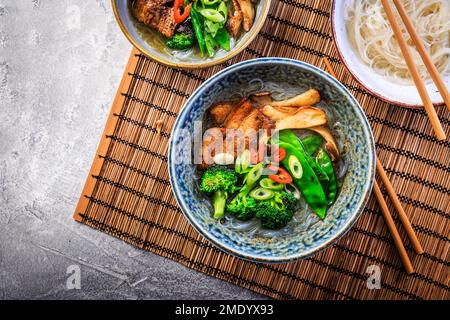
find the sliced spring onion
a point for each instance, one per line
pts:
(295, 167)
(213, 15)
(262, 194)
(267, 183)
(209, 2)
(291, 188)
(222, 8)
(242, 162)
(255, 174)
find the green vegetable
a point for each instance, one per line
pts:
(295, 167)
(290, 137)
(222, 8)
(196, 23)
(262, 194)
(267, 183)
(309, 183)
(209, 2)
(242, 163)
(219, 181)
(212, 27)
(242, 206)
(181, 41)
(278, 211)
(212, 15)
(211, 45)
(312, 143)
(223, 39)
(291, 188)
(324, 161)
(255, 174)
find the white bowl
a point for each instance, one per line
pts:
(381, 87)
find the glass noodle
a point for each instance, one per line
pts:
(372, 36)
(304, 218)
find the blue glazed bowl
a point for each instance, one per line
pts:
(355, 140)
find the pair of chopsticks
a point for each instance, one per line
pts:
(440, 134)
(385, 210)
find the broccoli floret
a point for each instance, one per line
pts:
(276, 212)
(183, 38)
(242, 206)
(219, 181)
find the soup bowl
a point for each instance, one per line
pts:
(150, 44)
(355, 140)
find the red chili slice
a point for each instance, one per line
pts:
(278, 155)
(179, 18)
(281, 176)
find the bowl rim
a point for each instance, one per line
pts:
(252, 257)
(186, 65)
(353, 74)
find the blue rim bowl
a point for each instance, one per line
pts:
(355, 138)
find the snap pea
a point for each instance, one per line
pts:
(289, 136)
(196, 23)
(223, 39)
(312, 143)
(324, 161)
(211, 44)
(308, 184)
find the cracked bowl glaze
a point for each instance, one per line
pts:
(356, 139)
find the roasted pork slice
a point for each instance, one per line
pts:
(220, 112)
(155, 14)
(238, 114)
(167, 24)
(235, 20)
(254, 121)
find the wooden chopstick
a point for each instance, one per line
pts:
(393, 229)
(398, 206)
(434, 73)
(385, 210)
(429, 108)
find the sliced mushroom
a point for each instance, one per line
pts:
(304, 118)
(248, 13)
(330, 145)
(261, 99)
(308, 98)
(275, 114)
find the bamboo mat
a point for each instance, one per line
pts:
(127, 193)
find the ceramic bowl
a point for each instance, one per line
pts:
(397, 94)
(356, 142)
(176, 59)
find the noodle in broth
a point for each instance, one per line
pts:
(304, 217)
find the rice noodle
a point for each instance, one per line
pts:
(372, 36)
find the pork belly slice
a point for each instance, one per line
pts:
(238, 114)
(167, 24)
(220, 112)
(156, 14)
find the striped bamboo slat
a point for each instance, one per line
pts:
(127, 193)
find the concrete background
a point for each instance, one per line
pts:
(60, 64)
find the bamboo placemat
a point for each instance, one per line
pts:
(127, 193)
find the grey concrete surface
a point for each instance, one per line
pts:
(60, 65)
